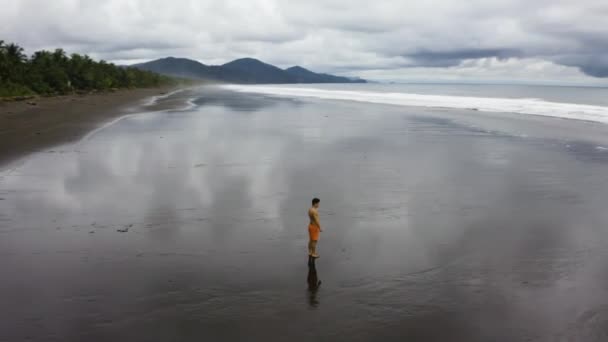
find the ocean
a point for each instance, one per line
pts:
(581, 103)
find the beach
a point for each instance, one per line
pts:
(30, 125)
(185, 218)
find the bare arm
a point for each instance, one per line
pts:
(316, 217)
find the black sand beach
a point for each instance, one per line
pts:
(190, 224)
(34, 124)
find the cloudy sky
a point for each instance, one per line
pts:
(562, 41)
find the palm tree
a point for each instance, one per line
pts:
(3, 62)
(15, 53)
(47, 72)
(14, 62)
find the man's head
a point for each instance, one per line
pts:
(315, 202)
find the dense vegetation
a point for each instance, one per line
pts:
(55, 73)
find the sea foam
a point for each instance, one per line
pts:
(529, 106)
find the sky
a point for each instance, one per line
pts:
(550, 41)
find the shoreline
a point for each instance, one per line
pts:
(37, 123)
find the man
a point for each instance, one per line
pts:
(314, 228)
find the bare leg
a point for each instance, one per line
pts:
(313, 249)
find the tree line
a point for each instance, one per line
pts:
(56, 73)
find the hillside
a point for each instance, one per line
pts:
(177, 67)
(244, 70)
(255, 71)
(303, 75)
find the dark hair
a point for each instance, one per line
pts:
(315, 201)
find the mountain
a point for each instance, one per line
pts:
(255, 71)
(178, 67)
(303, 75)
(243, 70)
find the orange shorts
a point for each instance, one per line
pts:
(314, 232)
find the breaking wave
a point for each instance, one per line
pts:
(529, 106)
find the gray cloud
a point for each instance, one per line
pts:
(455, 57)
(593, 65)
(385, 39)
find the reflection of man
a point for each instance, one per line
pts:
(314, 228)
(313, 283)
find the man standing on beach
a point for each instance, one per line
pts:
(314, 228)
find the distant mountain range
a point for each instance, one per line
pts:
(244, 70)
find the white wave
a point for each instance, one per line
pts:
(154, 99)
(486, 104)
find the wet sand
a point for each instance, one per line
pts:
(190, 224)
(34, 124)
